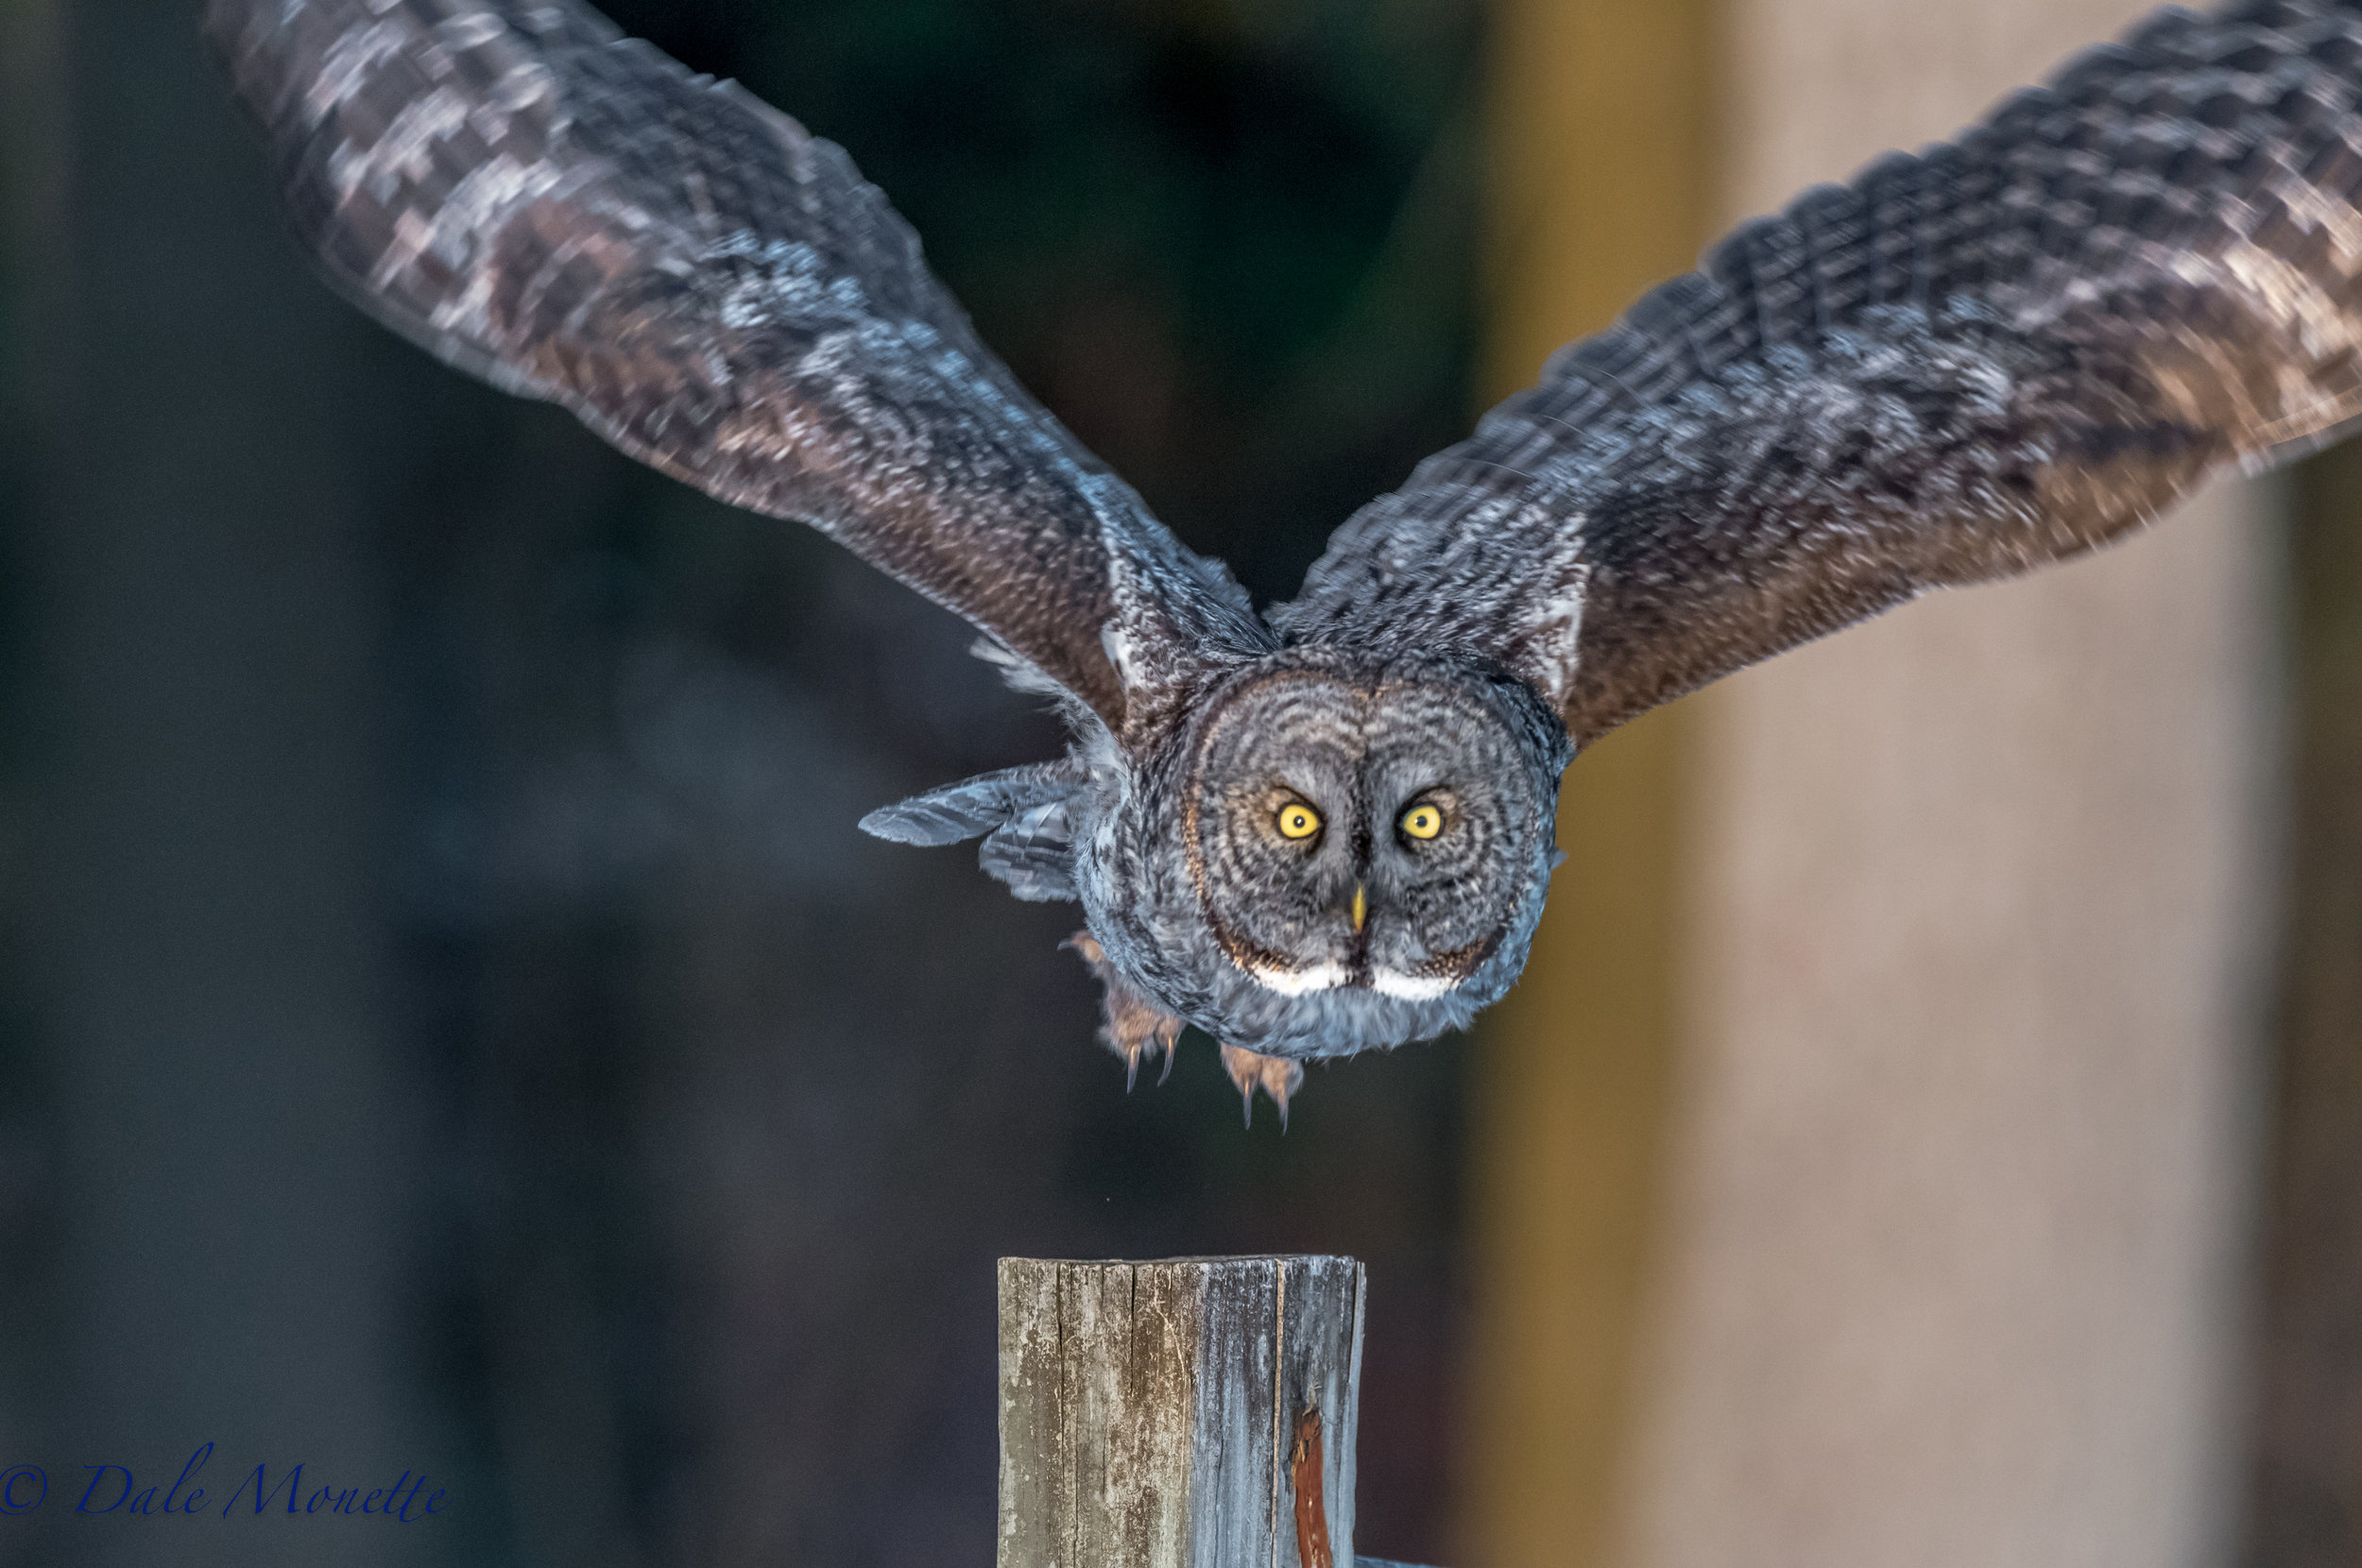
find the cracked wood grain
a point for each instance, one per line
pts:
(1151, 1413)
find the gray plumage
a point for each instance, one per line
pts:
(1967, 363)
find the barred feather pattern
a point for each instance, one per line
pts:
(1995, 354)
(571, 216)
(1998, 353)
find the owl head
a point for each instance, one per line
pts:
(1327, 853)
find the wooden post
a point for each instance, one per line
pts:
(1189, 1413)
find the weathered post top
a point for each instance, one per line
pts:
(1186, 1413)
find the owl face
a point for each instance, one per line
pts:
(1374, 834)
(1329, 857)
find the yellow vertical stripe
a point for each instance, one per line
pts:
(1601, 185)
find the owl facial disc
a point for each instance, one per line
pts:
(1372, 834)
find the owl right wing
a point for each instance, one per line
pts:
(571, 216)
(1998, 353)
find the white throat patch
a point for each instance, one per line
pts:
(1409, 988)
(1297, 983)
(1329, 977)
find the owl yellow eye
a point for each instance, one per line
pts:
(1298, 821)
(1423, 822)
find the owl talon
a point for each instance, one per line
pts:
(1134, 1027)
(1274, 1075)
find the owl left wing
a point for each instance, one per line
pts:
(569, 214)
(1997, 353)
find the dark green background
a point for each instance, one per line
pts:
(451, 1021)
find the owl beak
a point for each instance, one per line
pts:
(1360, 907)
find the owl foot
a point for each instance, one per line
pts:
(1274, 1075)
(1134, 1029)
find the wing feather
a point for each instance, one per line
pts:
(571, 216)
(1999, 352)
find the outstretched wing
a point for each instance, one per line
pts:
(571, 216)
(1965, 364)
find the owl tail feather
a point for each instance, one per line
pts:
(973, 805)
(1020, 812)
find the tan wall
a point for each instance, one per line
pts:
(1972, 973)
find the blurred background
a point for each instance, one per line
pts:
(450, 1024)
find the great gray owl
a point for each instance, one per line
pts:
(1327, 825)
